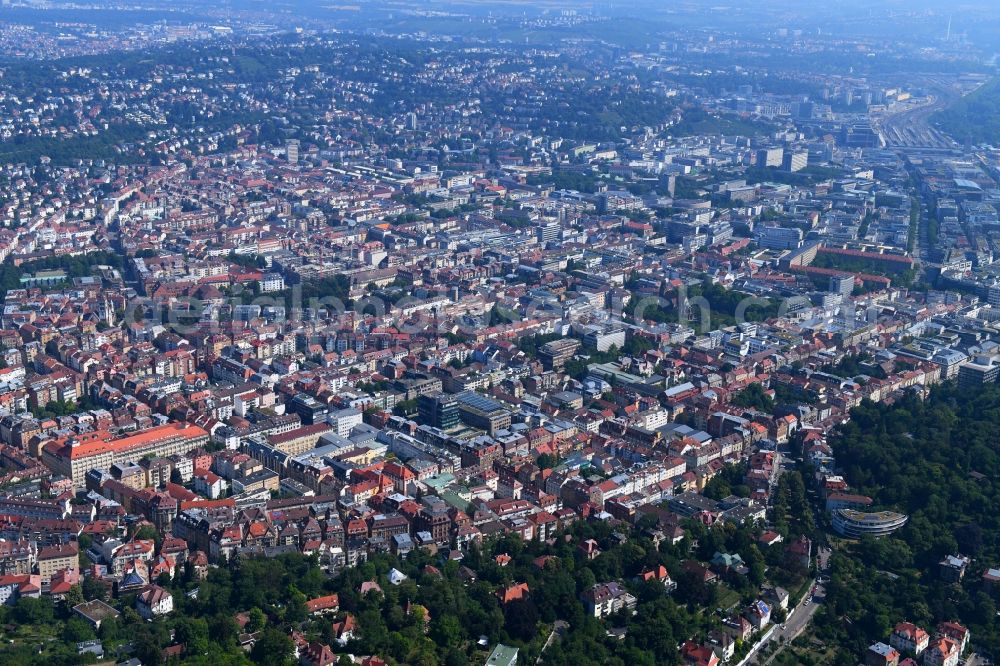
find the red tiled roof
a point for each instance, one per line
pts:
(103, 441)
(329, 602)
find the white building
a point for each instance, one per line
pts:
(779, 238)
(271, 282)
(154, 602)
(345, 420)
(606, 599)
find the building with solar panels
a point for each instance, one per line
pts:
(484, 413)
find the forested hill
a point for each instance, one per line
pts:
(939, 461)
(975, 117)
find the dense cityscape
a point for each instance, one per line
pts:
(499, 333)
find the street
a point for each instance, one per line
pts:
(798, 619)
(976, 660)
(801, 615)
(558, 629)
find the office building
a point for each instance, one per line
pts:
(977, 372)
(345, 420)
(842, 284)
(615, 200)
(309, 409)
(482, 412)
(603, 339)
(993, 295)
(554, 355)
(770, 157)
(439, 411)
(860, 135)
(548, 232)
(795, 160)
(856, 524)
(779, 238)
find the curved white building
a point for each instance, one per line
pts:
(856, 524)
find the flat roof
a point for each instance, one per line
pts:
(96, 610)
(502, 655)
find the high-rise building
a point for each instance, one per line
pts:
(411, 122)
(795, 160)
(993, 295)
(548, 232)
(842, 284)
(440, 411)
(292, 151)
(770, 157)
(803, 110)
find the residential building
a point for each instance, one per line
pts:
(154, 602)
(908, 638)
(606, 599)
(74, 456)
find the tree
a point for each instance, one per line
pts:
(521, 619)
(77, 630)
(257, 620)
(446, 630)
(74, 596)
(296, 611)
(917, 457)
(193, 633)
(456, 658)
(93, 589)
(755, 397)
(29, 610)
(547, 461)
(131, 617)
(405, 408)
(148, 649)
(108, 630)
(273, 647)
(224, 630)
(150, 533)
